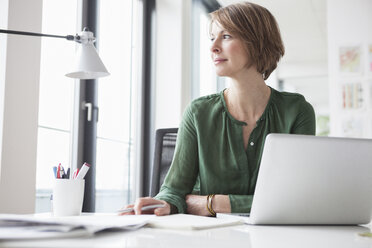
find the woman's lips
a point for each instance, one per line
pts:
(219, 60)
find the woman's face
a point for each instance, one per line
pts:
(228, 52)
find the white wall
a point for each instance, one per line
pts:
(310, 79)
(3, 39)
(20, 94)
(349, 23)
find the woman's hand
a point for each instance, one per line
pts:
(197, 205)
(145, 201)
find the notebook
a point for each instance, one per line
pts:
(312, 180)
(190, 222)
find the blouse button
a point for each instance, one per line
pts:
(252, 144)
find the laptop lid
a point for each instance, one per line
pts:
(306, 179)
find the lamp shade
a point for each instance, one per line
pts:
(88, 64)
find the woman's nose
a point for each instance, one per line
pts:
(215, 48)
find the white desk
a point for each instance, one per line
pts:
(235, 236)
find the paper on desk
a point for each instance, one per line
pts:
(21, 233)
(28, 226)
(97, 223)
(190, 222)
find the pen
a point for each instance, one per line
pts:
(55, 171)
(83, 171)
(62, 171)
(128, 210)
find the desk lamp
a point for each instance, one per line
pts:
(88, 64)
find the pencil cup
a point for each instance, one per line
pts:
(68, 197)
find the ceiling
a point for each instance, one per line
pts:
(303, 27)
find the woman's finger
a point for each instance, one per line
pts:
(127, 213)
(162, 211)
(145, 201)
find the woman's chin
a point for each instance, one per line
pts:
(221, 73)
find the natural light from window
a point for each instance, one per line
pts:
(56, 96)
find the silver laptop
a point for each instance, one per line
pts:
(313, 180)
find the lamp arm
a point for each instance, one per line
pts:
(89, 65)
(67, 37)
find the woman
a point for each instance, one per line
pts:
(221, 137)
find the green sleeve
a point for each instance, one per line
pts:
(241, 203)
(305, 120)
(184, 169)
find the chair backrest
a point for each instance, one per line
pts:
(165, 142)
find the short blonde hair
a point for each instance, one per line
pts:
(259, 31)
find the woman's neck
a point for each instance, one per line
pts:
(247, 97)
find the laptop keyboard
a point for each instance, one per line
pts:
(244, 214)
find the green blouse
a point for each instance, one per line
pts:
(210, 157)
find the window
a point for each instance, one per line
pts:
(116, 124)
(205, 80)
(207, 77)
(56, 96)
(115, 128)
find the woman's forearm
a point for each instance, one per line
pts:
(197, 204)
(221, 204)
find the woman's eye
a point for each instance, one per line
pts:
(212, 39)
(226, 36)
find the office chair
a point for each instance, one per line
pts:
(165, 142)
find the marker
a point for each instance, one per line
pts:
(76, 172)
(148, 207)
(83, 171)
(59, 173)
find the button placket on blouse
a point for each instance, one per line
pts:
(252, 137)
